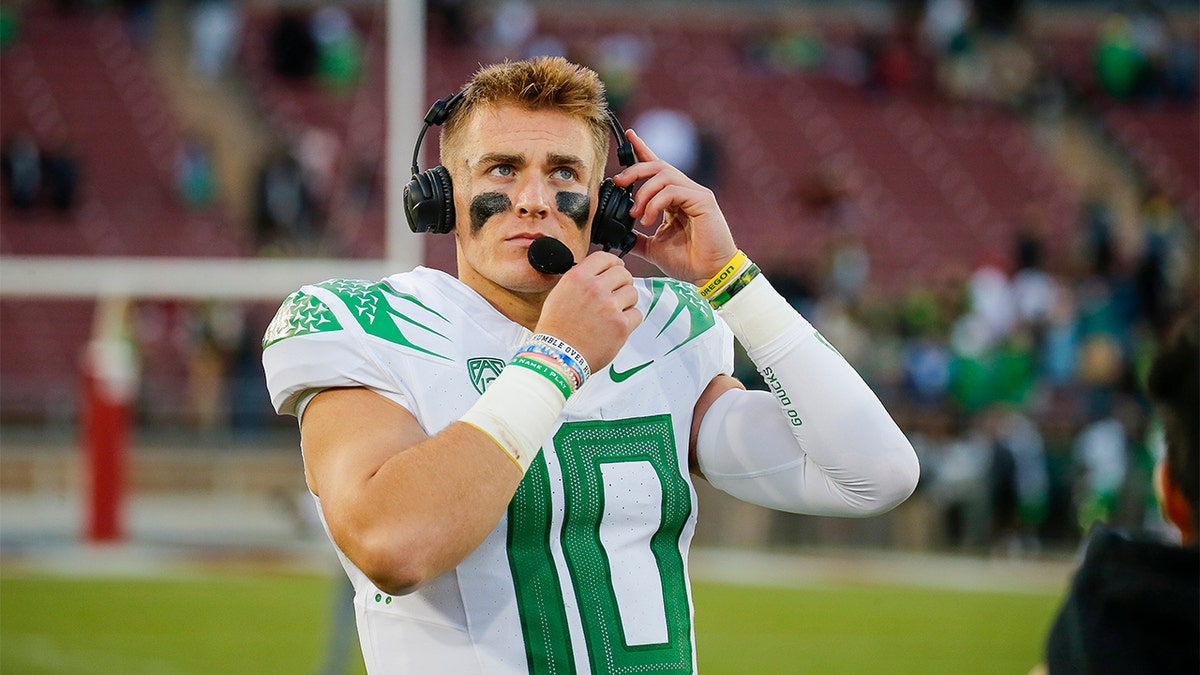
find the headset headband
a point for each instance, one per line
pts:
(437, 114)
(441, 109)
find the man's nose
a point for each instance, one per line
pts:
(533, 198)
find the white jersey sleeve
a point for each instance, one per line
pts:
(341, 333)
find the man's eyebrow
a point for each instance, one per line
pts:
(496, 158)
(561, 159)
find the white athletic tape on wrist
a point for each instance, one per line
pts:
(518, 410)
(758, 314)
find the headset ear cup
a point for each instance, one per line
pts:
(612, 226)
(429, 202)
(600, 232)
(415, 195)
(440, 178)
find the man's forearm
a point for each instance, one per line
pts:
(822, 442)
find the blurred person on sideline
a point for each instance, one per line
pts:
(62, 175)
(504, 460)
(340, 49)
(1101, 454)
(1134, 604)
(215, 29)
(286, 208)
(195, 173)
(21, 163)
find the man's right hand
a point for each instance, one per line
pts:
(593, 308)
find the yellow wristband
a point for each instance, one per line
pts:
(743, 278)
(724, 276)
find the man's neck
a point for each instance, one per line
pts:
(521, 308)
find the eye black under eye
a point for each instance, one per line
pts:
(575, 205)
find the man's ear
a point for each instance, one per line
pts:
(1175, 506)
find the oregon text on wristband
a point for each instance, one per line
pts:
(721, 278)
(736, 285)
(549, 372)
(566, 349)
(559, 357)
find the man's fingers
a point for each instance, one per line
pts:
(633, 318)
(640, 245)
(677, 187)
(683, 199)
(597, 262)
(626, 297)
(641, 151)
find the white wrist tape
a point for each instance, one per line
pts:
(518, 410)
(759, 314)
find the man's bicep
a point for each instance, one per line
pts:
(347, 434)
(719, 385)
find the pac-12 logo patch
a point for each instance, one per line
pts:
(483, 370)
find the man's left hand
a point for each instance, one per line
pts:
(692, 241)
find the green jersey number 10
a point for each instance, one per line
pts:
(625, 507)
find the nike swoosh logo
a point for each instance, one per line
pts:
(621, 376)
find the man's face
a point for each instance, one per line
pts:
(519, 175)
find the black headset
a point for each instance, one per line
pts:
(429, 196)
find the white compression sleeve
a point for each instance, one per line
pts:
(820, 442)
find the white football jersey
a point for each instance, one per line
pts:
(587, 572)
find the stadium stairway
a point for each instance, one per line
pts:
(220, 112)
(1160, 140)
(349, 124)
(1164, 142)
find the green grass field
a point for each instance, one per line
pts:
(231, 622)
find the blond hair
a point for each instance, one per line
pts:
(541, 83)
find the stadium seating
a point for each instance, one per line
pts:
(41, 348)
(76, 79)
(929, 185)
(933, 187)
(1160, 136)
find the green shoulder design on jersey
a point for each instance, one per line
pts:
(303, 313)
(699, 312)
(300, 314)
(370, 306)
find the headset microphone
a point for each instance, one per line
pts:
(550, 256)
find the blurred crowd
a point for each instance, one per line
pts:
(1019, 379)
(1021, 384)
(966, 52)
(1141, 57)
(986, 52)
